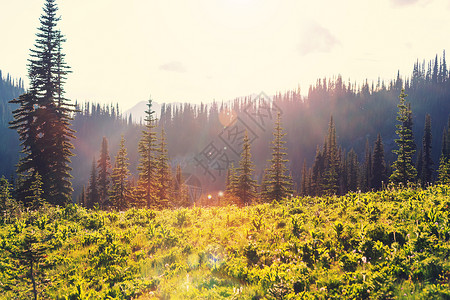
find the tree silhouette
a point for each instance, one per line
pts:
(278, 181)
(403, 168)
(43, 117)
(246, 187)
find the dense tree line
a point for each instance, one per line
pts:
(9, 145)
(362, 115)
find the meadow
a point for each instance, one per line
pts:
(391, 244)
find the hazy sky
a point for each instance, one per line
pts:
(200, 50)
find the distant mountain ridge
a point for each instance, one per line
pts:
(137, 112)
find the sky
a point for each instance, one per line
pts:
(203, 50)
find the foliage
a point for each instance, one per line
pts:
(245, 187)
(393, 243)
(403, 168)
(119, 193)
(43, 116)
(278, 181)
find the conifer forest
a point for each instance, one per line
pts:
(338, 192)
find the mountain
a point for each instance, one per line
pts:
(137, 112)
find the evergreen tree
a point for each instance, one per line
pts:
(427, 162)
(93, 196)
(163, 173)
(148, 163)
(318, 170)
(419, 165)
(29, 254)
(352, 172)
(5, 193)
(119, 193)
(379, 176)
(246, 187)
(278, 181)
(231, 182)
(332, 161)
(35, 197)
(444, 162)
(367, 169)
(403, 168)
(444, 171)
(180, 190)
(43, 117)
(304, 181)
(104, 173)
(7, 204)
(82, 198)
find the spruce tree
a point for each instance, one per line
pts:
(427, 161)
(318, 170)
(148, 163)
(180, 190)
(30, 253)
(164, 176)
(93, 194)
(231, 181)
(5, 194)
(246, 187)
(278, 181)
(43, 117)
(35, 196)
(304, 181)
(403, 168)
(104, 173)
(331, 173)
(444, 161)
(419, 165)
(352, 172)
(119, 193)
(343, 172)
(379, 176)
(367, 169)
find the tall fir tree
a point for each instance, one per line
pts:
(246, 186)
(93, 196)
(164, 176)
(304, 181)
(427, 161)
(180, 190)
(366, 169)
(231, 181)
(278, 180)
(148, 163)
(352, 170)
(444, 161)
(419, 165)
(378, 176)
(43, 117)
(318, 170)
(119, 193)
(332, 161)
(104, 173)
(403, 168)
(46, 139)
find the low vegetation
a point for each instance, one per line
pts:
(388, 244)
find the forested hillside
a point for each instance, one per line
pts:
(9, 143)
(360, 112)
